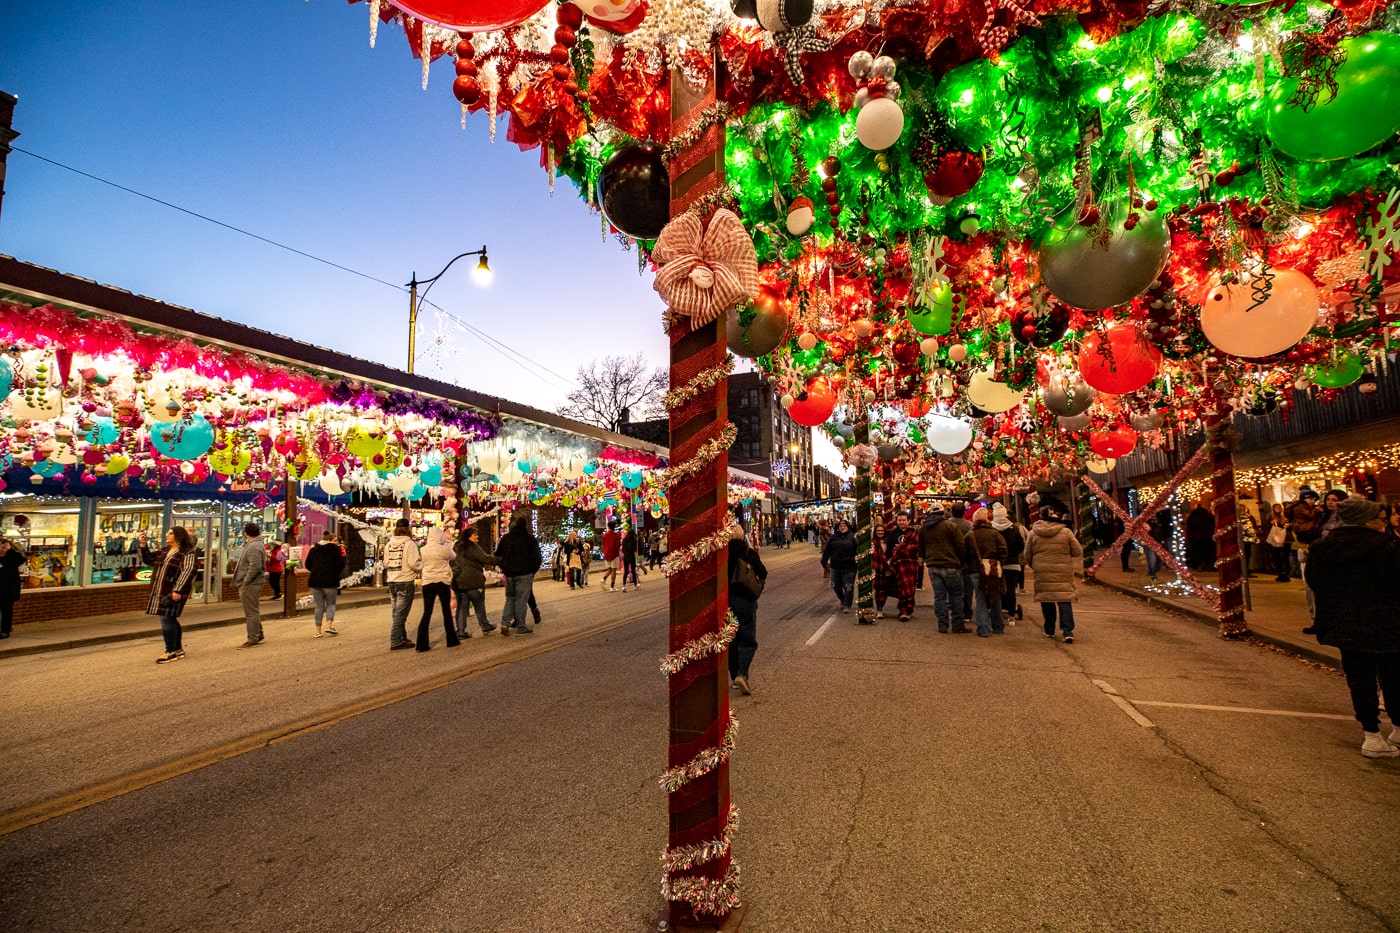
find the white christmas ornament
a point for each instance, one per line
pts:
(801, 214)
(330, 484)
(991, 396)
(948, 436)
(879, 124)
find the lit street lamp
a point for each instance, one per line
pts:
(481, 274)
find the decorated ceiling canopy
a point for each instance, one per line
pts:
(987, 212)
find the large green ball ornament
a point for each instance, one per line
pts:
(935, 318)
(1364, 112)
(809, 360)
(1085, 275)
(1338, 373)
(975, 102)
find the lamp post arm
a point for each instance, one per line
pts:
(414, 300)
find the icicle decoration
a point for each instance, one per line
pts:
(426, 51)
(373, 21)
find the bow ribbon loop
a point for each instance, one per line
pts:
(705, 272)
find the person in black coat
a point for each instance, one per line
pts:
(519, 553)
(744, 605)
(839, 558)
(1352, 572)
(11, 560)
(325, 568)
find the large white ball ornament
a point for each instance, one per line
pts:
(330, 484)
(787, 400)
(991, 396)
(1097, 465)
(490, 461)
(403, 481)
(879, 124)
(1232, 323)
(948, 436)
(34, 405)
(928, 346)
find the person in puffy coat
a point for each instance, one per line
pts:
(325, 567)
(1360, 615)
(1054, 555)
(469, 580)
(988, 549)
(839, 558)
(437, 588)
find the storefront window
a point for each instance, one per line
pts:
(116, 551)
(46, 531)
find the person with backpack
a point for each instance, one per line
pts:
(1054, 554)
(1015, 537)
(743, 602)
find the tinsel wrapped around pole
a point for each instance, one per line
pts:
(291, 530)
(865, 520)
(700, 881)
(1221, 440)
(1084, 503)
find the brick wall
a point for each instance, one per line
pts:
(50, 604)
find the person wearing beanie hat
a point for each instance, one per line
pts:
(402, 563)
(988, 550)
(1015, 537)
(1360, 615)
(1054, 555)
(898, 572)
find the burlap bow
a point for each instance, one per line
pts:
(704, 274)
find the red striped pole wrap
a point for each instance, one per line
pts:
(701, 882)
(1228, 564)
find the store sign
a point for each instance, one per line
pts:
(126, 523)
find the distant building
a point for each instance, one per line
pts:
(770, 444)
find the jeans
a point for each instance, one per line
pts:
(844, 583)
(1012, 576)
(1363, 669)
(947, 596)
(518, 591)
(250, 594)
(1154, 563)
(468, 600)
(1066, 612)
(323, 598)
(745, 643)
(172, 633)
(400, 602)
(989, 618)
(436, 593)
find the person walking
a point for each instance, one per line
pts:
(654, 548)
(469, 580)
(275, 565)
(585, 556)
(943, 551)
(437, 588)
(839, 558)
(1277, 536)
(1200, 538)
(11, 560)
(402, 562)
(664, 546)
(629, 558)
(1359, 614)
(744, 604)
(957, 514)
(325, 568)
(1015, 537)
(612, 549)
(1054, 554)
(519, 554)
(988, 584)
(557, 568)
(573, 559)
(248, 576)
(900, 559)
(171, 585)
(1330, 519)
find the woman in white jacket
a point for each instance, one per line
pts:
(437, 587)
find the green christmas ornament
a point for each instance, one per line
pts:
(935, 318)
(1337, 373)
(809, 360)
(1364, 112)
(976, 102)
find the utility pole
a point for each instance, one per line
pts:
(7, 134)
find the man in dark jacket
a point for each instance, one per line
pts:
(941, 543)
(1352, 572)
(519, 553)
(839, 558)
(1200, 538)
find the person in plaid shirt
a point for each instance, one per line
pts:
(897, 567)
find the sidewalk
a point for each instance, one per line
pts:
(1277, 614)
(37, 637)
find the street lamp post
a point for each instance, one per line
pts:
(482, 274)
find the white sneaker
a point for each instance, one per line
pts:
(879, 615)
(1375, 746)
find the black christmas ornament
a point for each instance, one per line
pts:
(780, 15)
(634, 191)
(1039, 330)
(746, 9)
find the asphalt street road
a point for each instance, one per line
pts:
(1147, 777)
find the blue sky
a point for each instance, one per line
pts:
(276, 116)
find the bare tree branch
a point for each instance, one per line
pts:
(615, 383)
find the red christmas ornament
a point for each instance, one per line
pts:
(1126, 364)
(817, 406)
(1113, 442)
(472, 15)
(954, 173)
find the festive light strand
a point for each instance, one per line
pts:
(707, 453)
(685, 857)
(705, 761)
(677, 561)
(706, 895)
(704, 646)
(705, 379)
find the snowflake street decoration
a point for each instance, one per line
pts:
(781, 468)
(1383, 234)
(441, 348)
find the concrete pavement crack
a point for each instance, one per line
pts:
(838, 870)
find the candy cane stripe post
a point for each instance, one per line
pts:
(699, 877)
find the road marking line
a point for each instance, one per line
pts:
(1244, 709)
(44, 810)
(821, 631)
(1124, 705)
